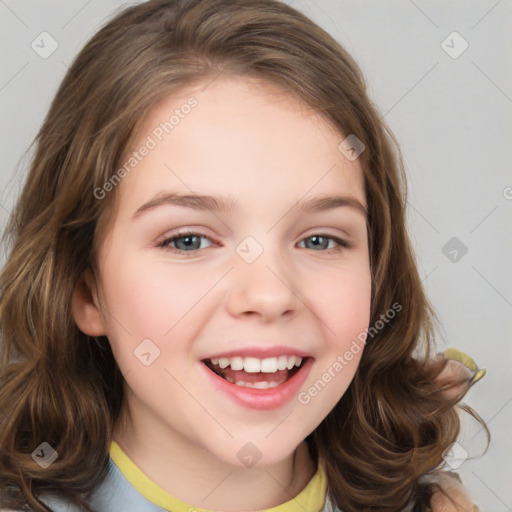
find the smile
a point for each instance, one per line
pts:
(252, 372)
(258, 383)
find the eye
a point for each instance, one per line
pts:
(183, 242)
(321, 241)
(190, 242)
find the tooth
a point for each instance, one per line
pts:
(255, 365)
(281, 362)
(223, 362)
(229, 379)
(260, 385)
(237, 363)
(273, 384)
(252, 365)
(269, 365)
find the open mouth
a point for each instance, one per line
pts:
(251, 372)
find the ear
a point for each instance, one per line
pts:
(85, 307)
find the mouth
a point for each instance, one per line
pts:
(252, 372)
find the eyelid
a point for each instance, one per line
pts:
(342, 243)
(181, 233)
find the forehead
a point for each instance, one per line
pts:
(241, 135)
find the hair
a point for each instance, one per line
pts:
(393, 423)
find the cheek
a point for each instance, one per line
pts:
(343, 301)
(150, 299)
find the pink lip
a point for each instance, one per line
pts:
(262, 399)
(260, 353)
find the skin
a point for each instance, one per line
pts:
(248, 140)
(453, 498)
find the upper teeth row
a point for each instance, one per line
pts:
(255, 365)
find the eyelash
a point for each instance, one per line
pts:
(164, 244)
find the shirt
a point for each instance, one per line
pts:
(127, 489)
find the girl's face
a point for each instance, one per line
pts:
(262, 271)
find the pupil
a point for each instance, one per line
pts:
(188, 241)
(316, 241)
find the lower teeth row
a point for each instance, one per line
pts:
(256, 385)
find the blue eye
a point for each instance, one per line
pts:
(320, 239)
(185, 242)
(190, 242)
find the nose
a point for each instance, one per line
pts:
(262, 288)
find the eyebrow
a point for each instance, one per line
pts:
(226, 204)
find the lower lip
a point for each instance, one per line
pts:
(263, 399)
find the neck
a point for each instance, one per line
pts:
(193, 475)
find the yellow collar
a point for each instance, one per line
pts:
(311, 498)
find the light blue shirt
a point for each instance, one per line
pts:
(117, 494)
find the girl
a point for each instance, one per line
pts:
(211, 302)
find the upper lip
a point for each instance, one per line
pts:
(260, 352)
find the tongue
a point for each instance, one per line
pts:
(242, 375)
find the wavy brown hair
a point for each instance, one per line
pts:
(57, 385)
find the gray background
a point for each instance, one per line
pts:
(452, 117)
